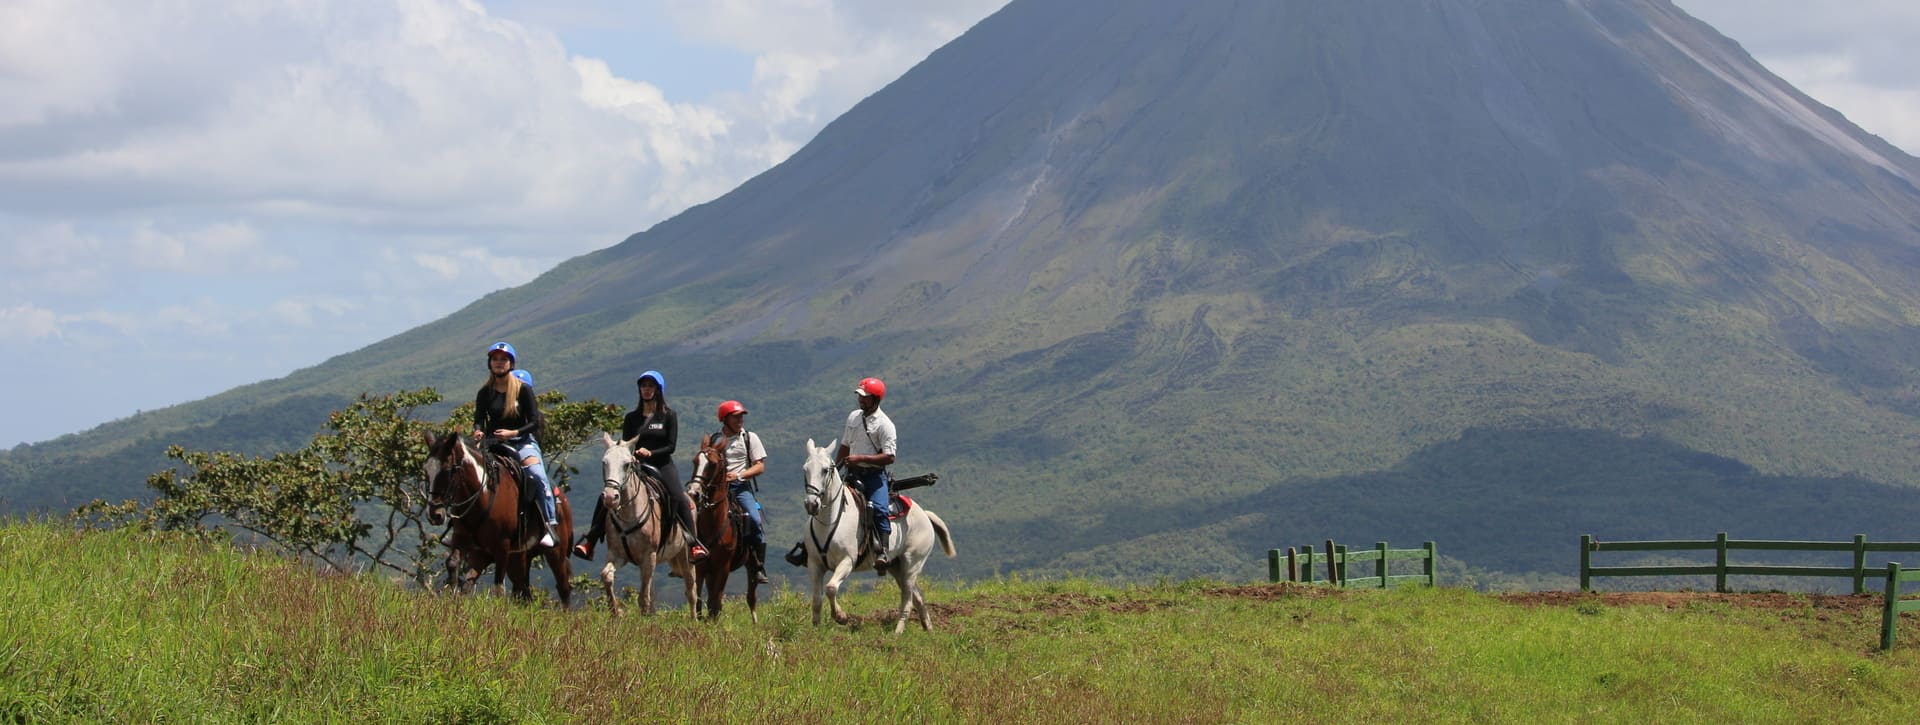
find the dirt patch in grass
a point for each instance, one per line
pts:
(1677, 600)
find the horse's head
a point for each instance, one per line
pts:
(451, 470)
(823, 482)
(615, 462)
(709, 467)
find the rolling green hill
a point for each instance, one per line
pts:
(1144, 276)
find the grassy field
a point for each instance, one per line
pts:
(143, 629)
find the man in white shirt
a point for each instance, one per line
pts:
(867, 447)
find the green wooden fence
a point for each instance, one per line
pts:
(1720, 569)
(1894, 605)
(1298, 565)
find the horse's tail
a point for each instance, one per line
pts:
(940, 530)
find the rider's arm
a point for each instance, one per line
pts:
(480, 407)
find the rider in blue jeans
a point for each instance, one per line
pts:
(505, 408)
(867, 447)
(746, 460)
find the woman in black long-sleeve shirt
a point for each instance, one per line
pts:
(506, 409)
(654, 428)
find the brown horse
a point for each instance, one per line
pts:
(713, 520)
(481, 492)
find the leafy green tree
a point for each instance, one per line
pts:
(353, 498)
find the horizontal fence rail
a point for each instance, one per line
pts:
(1720, 569)
(1897, 578)
(1297, 564)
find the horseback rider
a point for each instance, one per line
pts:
(506, 409)
(867, 447)
(654, 428)
(746, 459)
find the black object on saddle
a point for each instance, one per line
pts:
(924, 479)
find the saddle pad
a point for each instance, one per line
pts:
(900, 506)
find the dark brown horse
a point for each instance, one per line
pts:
(481, 493)
(714, 522)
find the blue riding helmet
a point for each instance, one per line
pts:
(524, 376)
(658, 379)
(504, 347)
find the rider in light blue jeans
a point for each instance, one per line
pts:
(506, 409)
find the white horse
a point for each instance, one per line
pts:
(635, 515)
(833, 541)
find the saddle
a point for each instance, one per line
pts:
(505, 463)
(656, 487)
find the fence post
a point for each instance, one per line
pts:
(1432, 565)
(1342, 566)
(1333, 567)
(1306, 563)
(1859, 563)
(1890, 612)
(1273, 565)
(1720, 563)
(1293, 565)
(1586, 562)
(1380, 564)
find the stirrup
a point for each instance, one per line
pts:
(584, 549)
(696, 553)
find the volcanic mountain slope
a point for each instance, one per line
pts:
(1137, 268)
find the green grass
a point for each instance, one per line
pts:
(138, 628)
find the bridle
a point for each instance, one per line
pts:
(437, 488)
(825, 490)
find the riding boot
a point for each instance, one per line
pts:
(696, 552)
(880, 560)
(759, 562)
(584, 549)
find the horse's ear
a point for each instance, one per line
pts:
(607, 438)
(427, 436)
(629, 442)
(810, 444)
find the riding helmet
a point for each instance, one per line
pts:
(658, 379)
(729, 408)
(873, 387)
(506, 348)
(524, 376)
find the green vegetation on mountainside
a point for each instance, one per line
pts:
(143, 628)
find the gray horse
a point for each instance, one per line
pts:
(833, 541)
(635, 515)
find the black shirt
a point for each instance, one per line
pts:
(657, 434)
(489, 413)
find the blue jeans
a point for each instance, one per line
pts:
(743, 497)
(526, 447)
(874, 483)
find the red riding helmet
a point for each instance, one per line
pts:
(729, 408)
(873, 387)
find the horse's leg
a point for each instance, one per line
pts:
(648, 562)
(753, 598)
(606, 580)
(904, 577)
(562, 569)
(517, 565)
(920, 602)
(840, 571)
(817, 574)
(716, 590)
(680, 564)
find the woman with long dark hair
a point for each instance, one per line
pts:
(654, 428)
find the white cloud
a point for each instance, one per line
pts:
(27, 322)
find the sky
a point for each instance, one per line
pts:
(196, 196)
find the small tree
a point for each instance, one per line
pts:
(353, 497)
